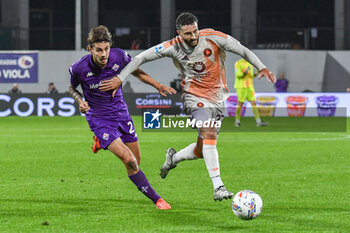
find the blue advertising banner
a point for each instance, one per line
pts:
(18, 67)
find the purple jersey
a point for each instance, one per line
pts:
(89, 76)
(281, 85)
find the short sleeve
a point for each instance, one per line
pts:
(74, 79)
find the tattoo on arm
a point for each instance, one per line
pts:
(75, 94)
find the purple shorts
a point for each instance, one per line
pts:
(109, 130)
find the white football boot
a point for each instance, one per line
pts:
(262, 123)
(168, 164)
(222, 193)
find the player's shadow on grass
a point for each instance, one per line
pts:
(190, 217)
(205, 223)
(56, 207)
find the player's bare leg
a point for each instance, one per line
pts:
(238, 114)
(256, 115)
(211, 158)
(198, 150)
(135, 149)
(125, 154)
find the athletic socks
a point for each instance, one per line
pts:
(186, 153)
(141, 182)
(238, 113)
(211, 158)
(256, 114)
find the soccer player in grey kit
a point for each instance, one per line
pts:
(108, 116)
(200, 57)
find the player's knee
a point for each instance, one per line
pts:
(130, 161)
(132, 165)
(212, 135)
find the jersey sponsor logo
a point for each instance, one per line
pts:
(151, 119)
(95, 85)
(159, 48)
(207, 52)
(115, 67)
(199, 67)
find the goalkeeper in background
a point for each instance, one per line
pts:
(245, 72)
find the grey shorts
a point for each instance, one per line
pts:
(201, 109)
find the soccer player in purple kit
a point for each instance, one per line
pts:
(108, 116)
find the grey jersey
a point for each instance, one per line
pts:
(202, 66)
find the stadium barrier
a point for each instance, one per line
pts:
(64, 105)
(270, 104)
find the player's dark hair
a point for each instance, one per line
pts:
(185, 18)
(99, 34)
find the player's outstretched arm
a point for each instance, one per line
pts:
(144, 77)
(115, 82)
(146, 56)
(264, 72)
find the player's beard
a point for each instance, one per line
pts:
(190, 43)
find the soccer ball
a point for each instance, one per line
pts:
(247, 205)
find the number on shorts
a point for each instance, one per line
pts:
(131, 130)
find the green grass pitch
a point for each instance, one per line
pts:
(52, 182)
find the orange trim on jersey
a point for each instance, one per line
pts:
(212, 33)
(206, 30)
(209, 142)
(216, 69)
(225, 37)
(221, 70)
(210, 83)
(172, 42)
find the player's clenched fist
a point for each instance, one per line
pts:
(84, 107)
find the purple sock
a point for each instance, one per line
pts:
(141, 182)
